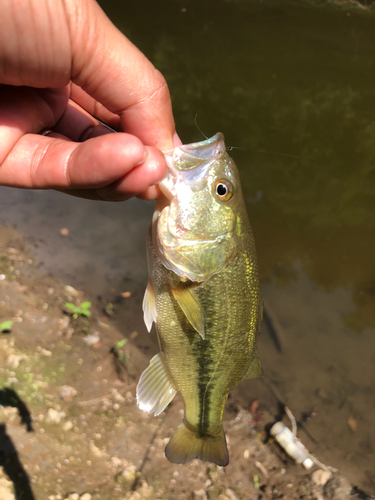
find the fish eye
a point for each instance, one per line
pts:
(223, 190)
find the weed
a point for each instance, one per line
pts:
(82, 310)
(120, 355)
(120, 344)
(6, 326)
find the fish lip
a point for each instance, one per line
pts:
(183, 160)
(210, 149)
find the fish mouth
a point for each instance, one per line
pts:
(190, 162)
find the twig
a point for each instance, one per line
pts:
(261, 467)
(327, 468)
(97, 400)
(293, 421)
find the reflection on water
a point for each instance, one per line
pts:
(286, 78)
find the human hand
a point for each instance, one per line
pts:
(62, 65)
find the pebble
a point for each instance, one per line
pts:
(92, 339)
(73, 496)
(200, 494)
(13, 360)
(67, 392)
(67, 426)
(337, 488)
(230, 494)
(85, 496)
(45, 352)
(54, 415)
(71, 291)
(320, 477)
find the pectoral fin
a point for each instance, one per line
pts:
(191, 308)
(154, 389)
(255, 368)
(149, 306)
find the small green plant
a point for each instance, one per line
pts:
(120, 344)
(82, 310)
(109, 309)
(121, 356)
(6, 326)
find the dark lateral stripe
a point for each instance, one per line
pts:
(204, 374)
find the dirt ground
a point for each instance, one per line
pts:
(69, 423)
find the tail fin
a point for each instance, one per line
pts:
(185, 445)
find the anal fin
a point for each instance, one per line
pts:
(255, 368)
(149, 306)
(154, 389)
(191, 308)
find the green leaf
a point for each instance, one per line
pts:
(85, 305)
(120, 344)
(71, 306)
(6, 325)
(84, 312)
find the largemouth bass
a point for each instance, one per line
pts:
(203, 295)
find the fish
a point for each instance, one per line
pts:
(203, 295)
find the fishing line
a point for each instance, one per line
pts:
(230, 148)
(196, 124)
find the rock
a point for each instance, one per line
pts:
(320, 477)
(337, 488)
(45, 352)
(230, 494)
(13, 360)
(134, 496)
(71, 291)
(73, 496)
(67, 426)
(92, 339)
(54, 415)
(200, 495)
(127, 476)
(67, 392)
(85, 496)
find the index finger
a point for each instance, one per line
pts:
(113, 71)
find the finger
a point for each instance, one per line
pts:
(137, 92)
(117, 166)
(78, 125)
(24, 110)
(94, 108)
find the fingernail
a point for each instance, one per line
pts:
(145, 156)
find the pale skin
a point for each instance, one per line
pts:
(62, 65)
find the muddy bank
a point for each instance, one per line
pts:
(69, 424)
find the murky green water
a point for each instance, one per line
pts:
(297, 82)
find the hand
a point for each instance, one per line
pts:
(62, 65)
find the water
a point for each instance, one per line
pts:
(287, 78)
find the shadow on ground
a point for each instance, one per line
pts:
(9, 459)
